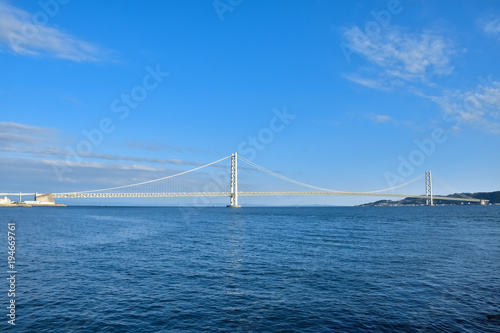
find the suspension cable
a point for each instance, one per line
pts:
(155, 180)
(272, 173)
(398, 186)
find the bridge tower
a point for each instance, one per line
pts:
(233, 197)
(428, 188)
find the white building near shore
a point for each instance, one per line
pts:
(5, 201)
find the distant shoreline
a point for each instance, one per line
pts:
(493, 198)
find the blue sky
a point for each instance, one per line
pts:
(344, 95)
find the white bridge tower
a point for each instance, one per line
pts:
(428, 189)
(233, 197)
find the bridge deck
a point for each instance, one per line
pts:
(227, 194)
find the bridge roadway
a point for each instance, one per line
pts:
(227, 194)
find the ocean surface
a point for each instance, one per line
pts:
(336, 269)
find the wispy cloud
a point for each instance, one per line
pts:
(40, 142)
(490, 26)
(13, 136)
(22, 36)
(370, 83)
(413, 57)
(479, 107)
(112, 157)
(31, 154)
(24, 172)
(98, 165)
(399, 58)
(158, 146)
(385, 119)
(379, 118)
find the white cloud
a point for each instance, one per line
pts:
(407, 56)
(385, 119)
(374, 84)
(37, 155)
(12, 135)
(491, 26)
(21, 174)
(411, 58)
(41, 142)
(479, 107)
(98, 165)
(19, 33)
(158, 146)
(379, 118)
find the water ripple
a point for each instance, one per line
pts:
(363, 269)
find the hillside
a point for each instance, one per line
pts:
(493, 197)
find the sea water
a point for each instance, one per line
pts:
(332, 269)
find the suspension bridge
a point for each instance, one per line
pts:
(177, 185)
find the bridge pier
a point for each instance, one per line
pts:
(428, 189)
(233, 197)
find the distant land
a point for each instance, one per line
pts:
(493, 197)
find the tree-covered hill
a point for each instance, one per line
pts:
(493, 197)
